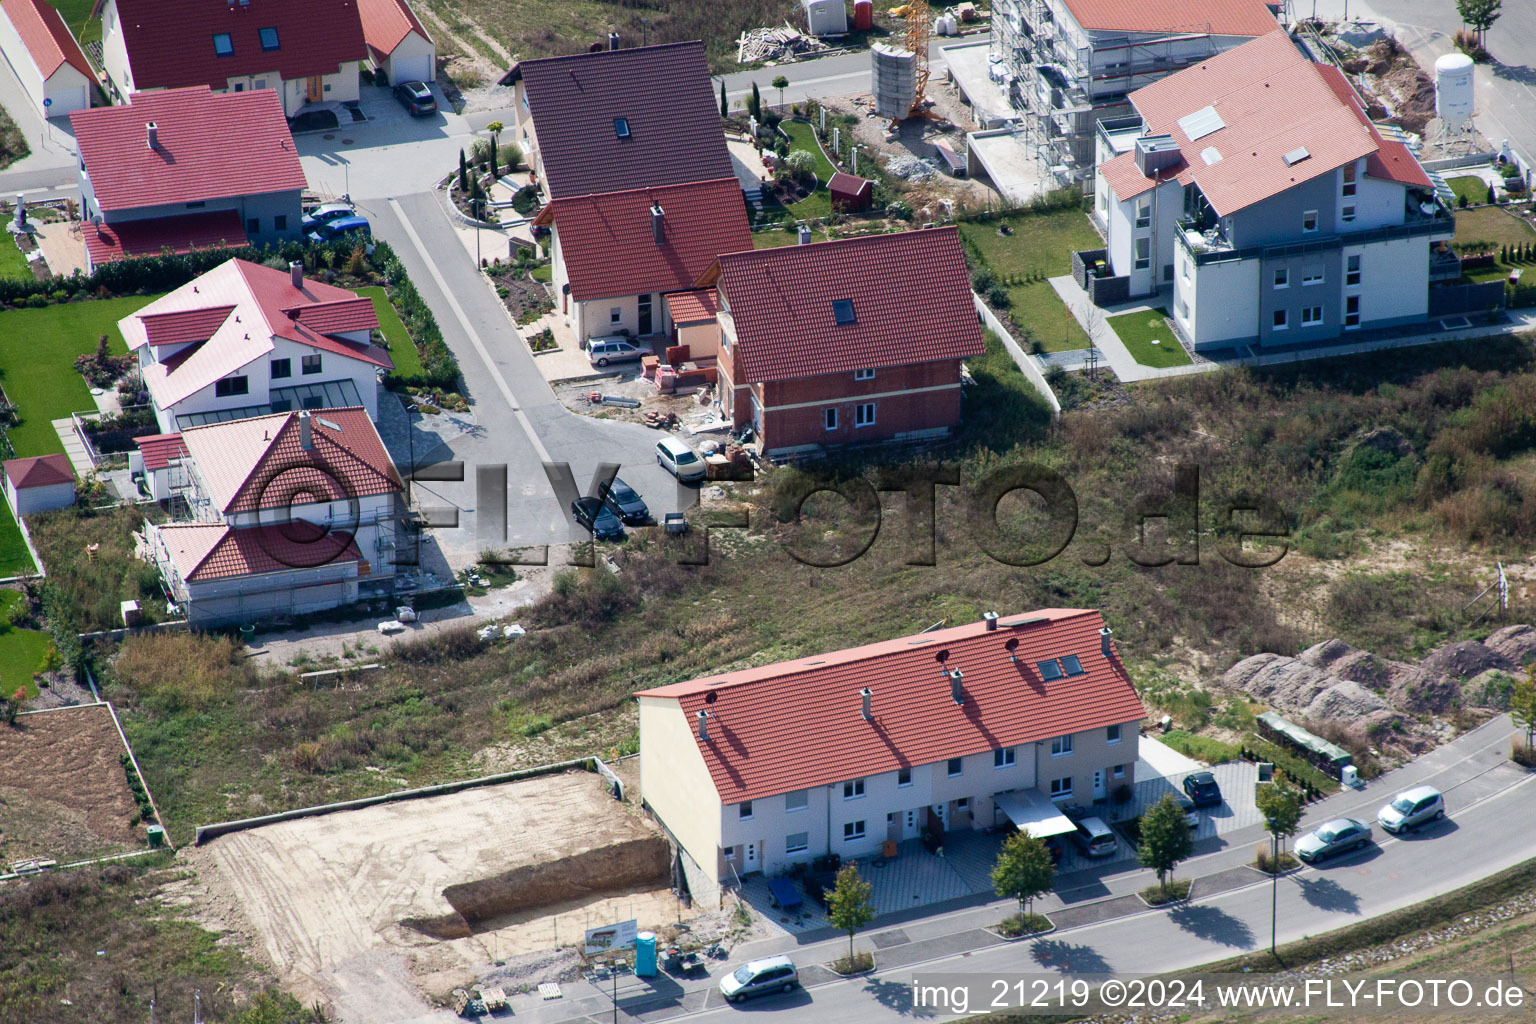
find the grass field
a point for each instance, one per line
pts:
(1139, 330)
(77, 15)
(803, 137)
(401, 348)
(14, 558)
(12, 263)
(40, 376)
(778, 237)
(21, 650)
(1039, 244)
(1471, 186)
(1493, 225)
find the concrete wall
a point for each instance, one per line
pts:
(1278, 219)
(1394, 281)
(675, 783)
(39, 499)
(1217, 304)
(703, 340)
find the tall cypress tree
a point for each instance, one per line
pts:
(463, 173)
(725, 108)
(757, 103)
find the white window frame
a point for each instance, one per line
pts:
(1311, 280)
(805, 800)
(1117, 772)
(1351, 325)
(1061, 746)
(1283, 323)
(744, 810)
(899, 773)
(615, 316)
(1005, 757)
(1316, 321)
(1112, 734)
(1347, 213)
(954, 767)
(804, 843)
(1060, 791)
(864, 414)
(1352, 277)
(1143, 212)
(866, 374)
(1141, 253)
(1282, 278)
(1309, 216)
(829, 418)
(1348, 187)
(853, 831)
(853, 789)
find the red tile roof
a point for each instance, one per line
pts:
(610, 249)
(39, 471)
(911, 299)
(170, 42)
(151, 236)
(46, 37)
(1392, 160)
(663, 92)
(1271, 100)
(210, 551)
(159, 449)
(260, 462)
(693, 307)
(849, 184)
(337, 316)
(386, 23)
(1172, 17)
(211, 146)
(798, 724)
(185, 325)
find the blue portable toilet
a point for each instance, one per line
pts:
(645, 955)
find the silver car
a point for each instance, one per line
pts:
(770, 974)
(1412, 808)
(612, 350)
(1340, 835)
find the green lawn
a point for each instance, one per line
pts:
(21, 650)
(543, 274)
(77, 15)
(40, 377)
(401, 348)
(778, 237)
(14, 557)
(1039, 244)
(1471, 186)
(12, 263)
(1140, 330)
(1493, 225)
(803, 136)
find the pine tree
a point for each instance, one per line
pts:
(725, 108)
(463, 173)
(756, 107)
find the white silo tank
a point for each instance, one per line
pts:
(1453, 90)
(894, 73)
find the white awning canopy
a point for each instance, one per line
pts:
(1032, 812)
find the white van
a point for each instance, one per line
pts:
(679, 460)
(770, 974)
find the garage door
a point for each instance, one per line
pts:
(412, 69)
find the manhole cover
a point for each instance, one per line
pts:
(327, 136)
(346, 142)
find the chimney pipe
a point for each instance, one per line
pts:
(802, 234)
(613, 40)
(704, 726)
(658, 224)
(955, 691)
(152, 132)
(306, 438)
(868, 712)
(296, 274)
(1104, 648)
(990, 618)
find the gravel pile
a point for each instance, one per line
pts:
(911, 168)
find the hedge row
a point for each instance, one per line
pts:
(441, 369)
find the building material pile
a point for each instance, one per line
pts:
(764, 44)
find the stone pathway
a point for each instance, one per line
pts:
(73, 447)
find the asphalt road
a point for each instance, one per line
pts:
(842, 74)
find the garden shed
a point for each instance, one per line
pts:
(39, 484)
(850, 193)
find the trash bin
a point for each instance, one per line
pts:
(156, 835)
(645, 955)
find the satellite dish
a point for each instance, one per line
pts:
(96, 220)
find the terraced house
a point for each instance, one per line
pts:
(998, 720)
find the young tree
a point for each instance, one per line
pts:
(1281, 808)
(1164, 839)
(51, 662)
(495, 128)
(755, 105)
(725, 107)
(463, 173)
(781, 83)
(1023, 870)
(1522, 705)
(848, 906)
(1480, 14)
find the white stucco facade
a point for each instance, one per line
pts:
(66, 89)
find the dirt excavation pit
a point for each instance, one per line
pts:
(432, 889)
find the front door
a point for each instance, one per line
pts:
(315, 90)
(645, 315)
(750, 856)
(1098, 784)
(909, 825)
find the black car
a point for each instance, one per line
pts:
(622, 500)
(1202, 789)
(592, 514)
(416, 97)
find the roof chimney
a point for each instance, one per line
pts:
(306, 439)
(866, 710)
(704, 726)
(658, 223)
(990, 618)
(296, 274)
(955, 675)
(613, 40)
(1104, 648)
(802, 233)
(152, 132)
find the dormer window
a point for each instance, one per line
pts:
(269, 39)
(621, 127)
(842, 312)
(223, 45)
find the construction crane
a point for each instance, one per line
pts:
(919, 21)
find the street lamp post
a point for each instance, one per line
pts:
(1274, 892)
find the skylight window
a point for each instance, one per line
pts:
(842, 312)
(1201, 123)
(1211, 155)
(1049, 670)
(269, 39)
(1071, 665)
(223, 45)
(621, 127)
(1296, 156)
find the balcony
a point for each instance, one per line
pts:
(1212, 246)
(1444, 265)
(1119, 134)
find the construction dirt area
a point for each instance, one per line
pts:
(368, 908)
(63, 792)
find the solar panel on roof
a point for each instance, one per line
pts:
(1201, 123)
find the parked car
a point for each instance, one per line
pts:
(623, 502)
(1095, 838)
(333, 229)
(591, 513)
(1191, 812)
(325, 213)
(754, 978)
(1202, 789)
(679, 460)
(1338, 836)
(613, 350)
(587, 343)
(1412, 808)
(416, 97)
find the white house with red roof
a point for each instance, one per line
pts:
(186, 168)
(968, 727)
(858, 339)
(46, 57)
(290, 513)
(39, 483)
(246, 340)
(1256, 194)
(616, 254)
(307, 51)
(398, 43)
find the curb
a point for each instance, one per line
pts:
(1021, 938)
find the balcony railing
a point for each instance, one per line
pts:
(1212, 246)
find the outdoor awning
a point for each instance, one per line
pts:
(1032, 812)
